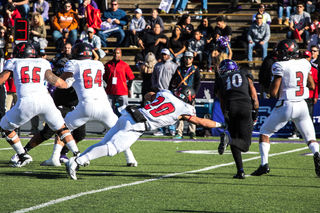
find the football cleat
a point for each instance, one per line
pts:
(72, 167)
(261, 170)
(24, 159)
(51, 162)
(316, 158)
(224, 141)
(239, 175)
(134, 164)
(63, 159)
(14, 159)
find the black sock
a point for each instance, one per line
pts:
(236, 153)
(64, 150)
(28, 147)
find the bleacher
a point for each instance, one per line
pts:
(239, 20)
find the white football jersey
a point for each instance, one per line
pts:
(28, 75)
(294, 75)
(88, 76)
(166, 109)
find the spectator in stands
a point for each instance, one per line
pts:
(205, 28)
(314, 23)
(176, 45)
(12, 13)
(38, 32)
(61, 58)
(160, 79)
(196, 46)
(258, 34)
(299, 24)
(186, 26)
(65, 21)
(116, 18)
(189, 75)
(94, 41)
(180, 6)
(136, 29)
(146, 70)
(266, 16)
(155, 19)
(60, 43)
(153, 42)
(117, 74)
(218, 54)
(223, 27)
(82, 12)
(315, 39)
(286, 5)
(311, 6)
(22, 6)
(42, 7)
(315, 60)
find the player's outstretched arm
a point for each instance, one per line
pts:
(200, 121)
(253, 94)
(275, 85)
(55, 80)
(4, 76)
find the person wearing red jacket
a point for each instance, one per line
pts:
(116, 76)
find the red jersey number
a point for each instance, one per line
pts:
(299, 76)
(88, 80)
(25, 76)
(158, 108)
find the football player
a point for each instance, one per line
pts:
(291, 80)
(165, 109)
(85, 75)
(29, 74)
(238, 99)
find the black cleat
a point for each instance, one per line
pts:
(224, 141)
(261, 170)
(316, 159)
(239, 175)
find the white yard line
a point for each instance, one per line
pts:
(10, 148)
(52, 202)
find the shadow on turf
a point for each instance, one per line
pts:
(32, 174)
(180, 210)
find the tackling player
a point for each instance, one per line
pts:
(85, 75)
(166, 109)
(291, 80)
(29, 74)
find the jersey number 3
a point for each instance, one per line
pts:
(299, 76)
(158, 108)
(88, 80)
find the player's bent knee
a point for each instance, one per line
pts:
(63, 133)
(112, 151)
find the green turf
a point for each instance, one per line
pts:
(292, 185)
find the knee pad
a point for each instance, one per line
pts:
(62, 136)
(6, 134)
(112, 151)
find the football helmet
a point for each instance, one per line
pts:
(185, 93)
(287, 49)
(82, 51)
(24, 50)
(227, 65)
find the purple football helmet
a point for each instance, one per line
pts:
(227, 65)
(223, 42)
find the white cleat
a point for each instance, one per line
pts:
(72, 167)
(51, 162)
(24, 159)
(133, 164)
(14, 159)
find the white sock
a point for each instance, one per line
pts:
(129, 156)
(314, 147)
(264, 148)
(18, 148)
(56, 151)
(72, 146)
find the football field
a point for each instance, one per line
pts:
(172, 176)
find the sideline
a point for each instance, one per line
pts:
(59, 200)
